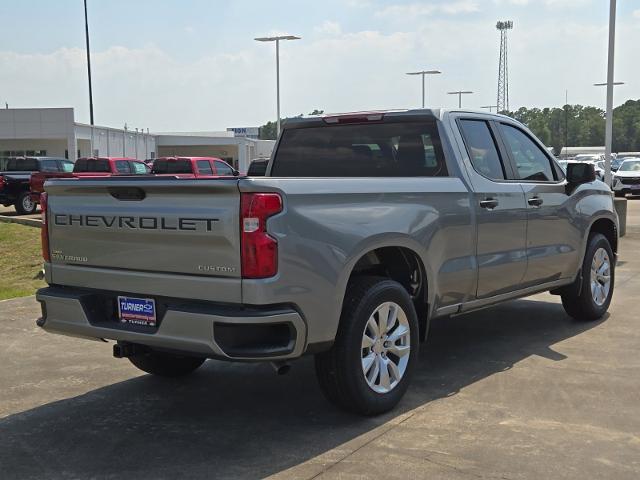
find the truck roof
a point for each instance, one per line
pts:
(379, 115)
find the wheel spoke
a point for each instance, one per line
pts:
(372, 325)
(399, 350)
(367, 362)
(399, 332)
(384, 374)
(367, 341)
(383, 318)
(373, 372)
(395, 371)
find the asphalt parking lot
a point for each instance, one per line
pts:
(512, 392)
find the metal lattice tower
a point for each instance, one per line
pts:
(503, 69)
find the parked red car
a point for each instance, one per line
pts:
(90, 167)
(193, 167)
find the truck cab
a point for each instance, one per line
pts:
(192, 167)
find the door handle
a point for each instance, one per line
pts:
(535, 201)
(489, 203)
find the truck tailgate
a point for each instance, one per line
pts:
(172, 237)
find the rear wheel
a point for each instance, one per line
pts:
(24, 205)
(598, 275)
(369, 367)
(166, 364)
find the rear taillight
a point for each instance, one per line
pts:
(259, 249)
(3, 182)
(44, 233)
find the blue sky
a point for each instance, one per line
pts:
(193, 65)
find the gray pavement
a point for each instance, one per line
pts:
(512, 392)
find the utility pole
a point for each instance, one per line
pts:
(460, 93)
(86, 35)
(423, 73)
(277, 40)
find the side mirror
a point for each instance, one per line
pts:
(579, 173)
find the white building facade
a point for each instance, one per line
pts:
(54, 132)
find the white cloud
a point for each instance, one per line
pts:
(334, 71)
(412, 10)
(636, 14)
(328, 28)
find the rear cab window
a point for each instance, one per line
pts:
(91, 165)
(172, 166)
(392, 149)
(22, 165)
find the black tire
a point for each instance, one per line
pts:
(582, 306)
(166, 364)
(339, 370)
(620, 194)
(23, 200)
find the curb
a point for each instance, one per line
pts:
(30, 222)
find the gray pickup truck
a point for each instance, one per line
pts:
(365, 227)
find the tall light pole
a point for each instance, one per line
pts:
(490, 107)
(86, 36)
(423, 73)
(277, 40)
(460, 93)
(608, 136)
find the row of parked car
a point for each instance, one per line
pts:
(625, 169)
(22, 178)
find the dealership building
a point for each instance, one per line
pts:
(54, 132)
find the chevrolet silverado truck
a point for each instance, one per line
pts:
(365, 227)
(15, 179)
(89, 167)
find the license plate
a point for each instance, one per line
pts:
(137, 311)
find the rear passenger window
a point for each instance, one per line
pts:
(531, 162)
(482, 149)
(223, 169)
(204, 167)
(362, 150)
(122, 166)
(49, 166)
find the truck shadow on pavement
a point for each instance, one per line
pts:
(243, 421)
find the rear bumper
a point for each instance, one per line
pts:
(204, 329)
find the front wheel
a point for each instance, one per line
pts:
(166, 364)
(369, 367)
(598, 275)
(24, 205)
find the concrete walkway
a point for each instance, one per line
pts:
(519, 391)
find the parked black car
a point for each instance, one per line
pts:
(15, 176)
